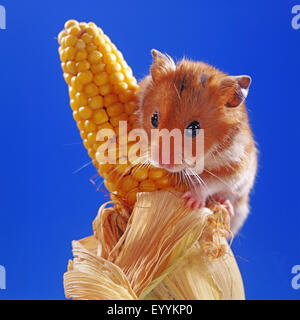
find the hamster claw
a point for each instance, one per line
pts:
(193, 201)
(227, 204)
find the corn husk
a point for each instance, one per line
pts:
(162, 250)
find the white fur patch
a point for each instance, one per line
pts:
(234, 153)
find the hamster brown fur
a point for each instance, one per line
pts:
(189, 91)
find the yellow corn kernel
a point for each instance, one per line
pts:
(163, 182)
(128, 73)
(101, 78)
(113, 67)
(91, 47)
(81, 99)
(100, 116)
(128, 183)
(147, 186)
(105, 89)
(110, 99)
(115, 109)
(76, 84)
(85, 112)
(91, 29)
(126, 96)
(96, 102)
(72, 93)
(130, 107)
(120, 87)
(89, 126)
(107, 39)
(71, 23)
(76, 116)
(131, 197)
(71, 67)
(105, 125)
(73, 104)
(70, 53)
(70, 40)
(63, 56)
(156, 173)
(85, 77)
(87, 38)
(68, 78)
(61, 36)
(83, 135)
(95, 163)
(80, 125)
(74, 30)
(120, 56)
(107, 48)
(109, 58)
(92, 138)
(123, 168)
(115, 120)
(64, 67)
(124, 64)
(82, 66)
(96, 144)
(80, 45)
(104, 168)
(94, 57)
(91, 150)
(97, 68)
(140, 173)
(116, 77)
(86, 144)
(81, 55)
(91, 90)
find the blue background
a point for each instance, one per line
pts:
(45, 205)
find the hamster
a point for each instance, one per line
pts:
(195, 95)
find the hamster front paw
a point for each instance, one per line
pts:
(226, 203)
(193, 200)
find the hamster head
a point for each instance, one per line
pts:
(189, 96)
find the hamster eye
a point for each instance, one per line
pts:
(192, 129)
(154, 119)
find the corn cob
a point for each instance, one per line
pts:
(102, 92)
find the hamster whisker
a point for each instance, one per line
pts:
(79, 169)
(199, 179)
(188, 173)
(188, 179)
(178, 95)
(221, 180)
(218, 155)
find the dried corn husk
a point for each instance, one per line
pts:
(163, 250)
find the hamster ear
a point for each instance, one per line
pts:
(161, 65)
(236, 89)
